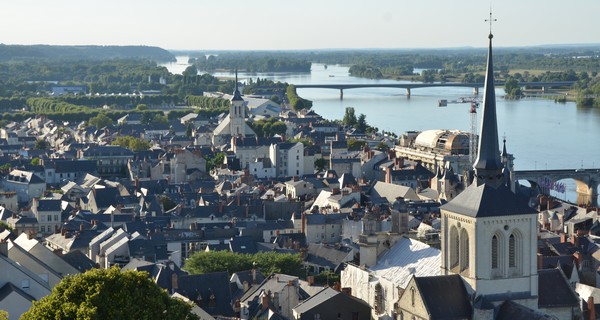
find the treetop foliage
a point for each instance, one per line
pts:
(108, 294)
(268, 262)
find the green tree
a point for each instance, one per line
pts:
(108, 294)
(361, 123)
(41, 144)
(382, 146)
(141, 107)
(269, 262)
(356, 145)
(189, 130)
(35, 161)
(275, 98)
(320, 163)
(512, 88)
(349, 117)
(4, 315)
(100, 121)
(132, 143)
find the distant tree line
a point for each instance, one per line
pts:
(251, 62)
(207, 102)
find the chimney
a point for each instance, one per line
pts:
(347, 290)
(540, 261)
(578, 258)
(310, 280)
(220, 206)
(174, 282)
(254, 275)
(591, 308)
(81, 227)
(63, 231)
(246, 286)
(290, 283)
(264, 302)
(337, 286)
(388, 175)
(563, 237)
(238, 199)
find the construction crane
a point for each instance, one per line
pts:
(473, 133)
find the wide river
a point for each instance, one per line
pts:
(540, 133)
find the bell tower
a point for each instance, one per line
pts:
(237, 112)
(489, 234)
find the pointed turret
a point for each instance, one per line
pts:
(504, 153)
(236, 93)
(488, 165)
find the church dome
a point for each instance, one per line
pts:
(445, 141)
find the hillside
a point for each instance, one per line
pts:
(19, 52)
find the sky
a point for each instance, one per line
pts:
(302, 24)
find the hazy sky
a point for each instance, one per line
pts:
(301, 24)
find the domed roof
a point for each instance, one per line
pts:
(453, 141)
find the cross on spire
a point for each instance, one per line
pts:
(491, 20)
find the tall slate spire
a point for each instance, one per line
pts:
(236, 93)
(488, 165)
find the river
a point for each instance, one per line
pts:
(540, 133)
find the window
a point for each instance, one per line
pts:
(43, 229)
(49, 218)
(55, 217)
(494, 252)
(25, 284)
(511, 251)
(454, 246)
(464, 250)
(412, 296)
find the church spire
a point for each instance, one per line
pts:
(236, 93)
(488, 165)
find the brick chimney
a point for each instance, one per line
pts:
(591, 308)
(388, 175)
(347, 290)
(264, 301)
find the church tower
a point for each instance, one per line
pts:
(237, 112)
(489, 234)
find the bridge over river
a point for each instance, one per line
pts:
(409, 86)
(586, 181)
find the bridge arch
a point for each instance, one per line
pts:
(578, 189)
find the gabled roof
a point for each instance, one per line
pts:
(9, 288)
(445, 297)
(243, 245)
(510, 310)
(202, 288)
(554, 290)
(79, 261)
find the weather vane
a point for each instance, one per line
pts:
(491, 20)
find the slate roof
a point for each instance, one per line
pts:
(327, 256)
(61, 166)
(201, 287)
(328, 293)
(554, 290)
(513, 311)
(487, 201)
(445, 297)
(79, 261)
(243, 245)
(49, 205)
(9, 288)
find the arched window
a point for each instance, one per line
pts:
(464, 250)
(512, 251)
(412, 296)
(454, 247)
(495, 252)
